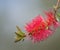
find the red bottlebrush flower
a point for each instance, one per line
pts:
(37, 29)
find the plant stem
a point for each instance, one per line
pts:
(56, 8)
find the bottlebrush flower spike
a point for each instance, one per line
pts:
(37, 29)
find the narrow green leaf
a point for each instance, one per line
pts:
(19, 34)
(19, 31)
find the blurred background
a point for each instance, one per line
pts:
(19, 12)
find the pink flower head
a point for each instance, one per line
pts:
(38, 29)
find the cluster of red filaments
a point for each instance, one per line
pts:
(39, 29)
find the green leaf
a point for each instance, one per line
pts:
(19, 34)
(19, 31)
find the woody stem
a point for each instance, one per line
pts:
(56, 8)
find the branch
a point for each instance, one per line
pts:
(56, 7)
